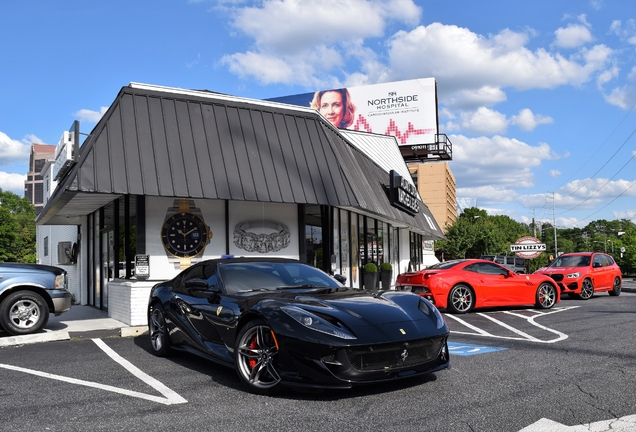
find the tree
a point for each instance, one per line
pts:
(474, 234)
(17, 229)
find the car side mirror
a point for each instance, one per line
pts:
(196, 284)
(340, 278)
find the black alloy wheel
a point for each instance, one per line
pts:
(546, 296)
(616, 291)
(587, 290)
(461, 299)
(23, 312)
(255, 358)
(159, 337)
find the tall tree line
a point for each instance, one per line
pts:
(17, 229)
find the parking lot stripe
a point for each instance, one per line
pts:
(512, 329)
(171, 396)
(89, 384)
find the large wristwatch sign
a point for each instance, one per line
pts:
(403, 194)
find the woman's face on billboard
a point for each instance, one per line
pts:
(331, 107)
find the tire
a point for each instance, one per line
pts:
(546, 296)
(23, 312)
(587, 290)
(255, 358)
(616, 291)
(461, 299)
(159, 336)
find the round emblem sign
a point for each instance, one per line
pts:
(528, 247)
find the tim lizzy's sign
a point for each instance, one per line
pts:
(403, 194)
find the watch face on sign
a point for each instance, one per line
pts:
(184, 235)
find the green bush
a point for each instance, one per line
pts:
(386, 266)
(371, 268)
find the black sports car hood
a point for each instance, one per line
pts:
(361, 309)
(392, 315)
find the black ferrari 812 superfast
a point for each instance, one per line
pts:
(281, 323)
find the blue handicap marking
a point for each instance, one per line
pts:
(471, 349)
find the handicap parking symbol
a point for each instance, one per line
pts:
(471, 349)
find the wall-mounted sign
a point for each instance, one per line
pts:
(66, 152)
(403, 194)
(528, 247)
(142, 266)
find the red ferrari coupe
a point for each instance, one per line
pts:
(462, 285)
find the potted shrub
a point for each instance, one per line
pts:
(386, 275)
(370, 276)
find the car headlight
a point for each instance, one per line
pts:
(60, 281)
(427, 307)
(316, 323)
(573, 275)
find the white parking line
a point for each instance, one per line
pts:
(170, 398)
(522, 335)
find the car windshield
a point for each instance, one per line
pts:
(259, 276)
(571, 261)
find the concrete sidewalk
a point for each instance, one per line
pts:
(79, 321)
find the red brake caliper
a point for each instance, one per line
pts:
(253, 345)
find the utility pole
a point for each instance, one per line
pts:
(556, 250)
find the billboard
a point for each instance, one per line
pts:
(406, 110)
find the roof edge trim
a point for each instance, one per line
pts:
(219, 96)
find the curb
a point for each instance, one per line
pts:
(34, 338)
(52, 336)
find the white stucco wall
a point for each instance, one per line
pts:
(55, 234)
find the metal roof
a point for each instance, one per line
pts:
(161, 141)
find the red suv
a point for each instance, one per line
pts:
(581, 274)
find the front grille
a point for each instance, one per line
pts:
(557, 277)
(394, 355)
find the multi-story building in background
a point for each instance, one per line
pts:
(436, 185)
(33, 187)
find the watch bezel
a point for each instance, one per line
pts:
(190, 253)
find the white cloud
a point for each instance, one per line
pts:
(466, 60)
(12, 183)
(498, 163)
(599, 187)
(626, 32)
(286, 52)
(90, 116)
(625, 214)
(527, 120)
(470, 98)
(572, 36)
(484, 121)
(488, 194)
(554, 173)
(14, 151)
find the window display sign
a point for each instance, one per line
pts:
(142, 266)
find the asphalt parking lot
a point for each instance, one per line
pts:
(512, 370)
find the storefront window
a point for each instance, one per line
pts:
(395, 252)
(344, 244)
(373, 251)
(335, 263)
(355, 252)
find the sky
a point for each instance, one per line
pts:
(536, 96)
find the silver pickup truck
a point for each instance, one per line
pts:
(28, 294)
